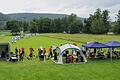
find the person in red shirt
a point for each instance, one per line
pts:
(22, 54)
(23, 51)
(31, 52)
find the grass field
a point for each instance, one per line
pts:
(36, 70)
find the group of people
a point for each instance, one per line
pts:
(75, 57)
(41, 53)
(14, 39)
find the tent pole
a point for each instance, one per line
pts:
(88, 52)
(111, 53)
(60, 61)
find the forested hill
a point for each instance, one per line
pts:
(30, 16)
(4, 17)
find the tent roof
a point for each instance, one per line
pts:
(95, 45)
(113, 44)
(4, 43)
(67, 46)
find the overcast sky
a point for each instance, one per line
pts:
(80, 7)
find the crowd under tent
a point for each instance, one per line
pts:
(66, 47)
(94, 45)
(112, 45)
(4, 50)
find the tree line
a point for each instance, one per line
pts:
(97, 23)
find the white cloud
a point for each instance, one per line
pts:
(80, 7)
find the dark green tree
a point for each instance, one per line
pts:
(34, 26)
(105, 16)
(117, 26)
(98, 26)
(14, 26)
(76, 27)
(87, 25)
(25, 26)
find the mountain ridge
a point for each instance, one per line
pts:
(30, 17)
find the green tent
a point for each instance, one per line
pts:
(4, 50)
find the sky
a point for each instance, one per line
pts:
(80, 7)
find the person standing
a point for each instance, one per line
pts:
(31, 52)
(44, 51)
(83, 50)
(50, 52)
(44, 54)
(55, 56)
(40, 53)
(22, 54)
(16, 51)
(54, 49)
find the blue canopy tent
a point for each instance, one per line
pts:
(94, 45)
(113, 44)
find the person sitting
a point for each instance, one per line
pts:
(78, 59)
(67, 59)
(66, 55)
(3, 54)
(13, 57)
(116, 54)
(81, 58)
(74, 55)
(84, 50)
(71, 59)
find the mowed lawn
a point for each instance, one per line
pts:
(37, 70)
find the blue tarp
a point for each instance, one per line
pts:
(113, 44)
(95, 45)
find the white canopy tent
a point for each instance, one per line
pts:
(69, 46)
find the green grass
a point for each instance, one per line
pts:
(29, 70)
(83, 38)
(37, 70)
(4, 32)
